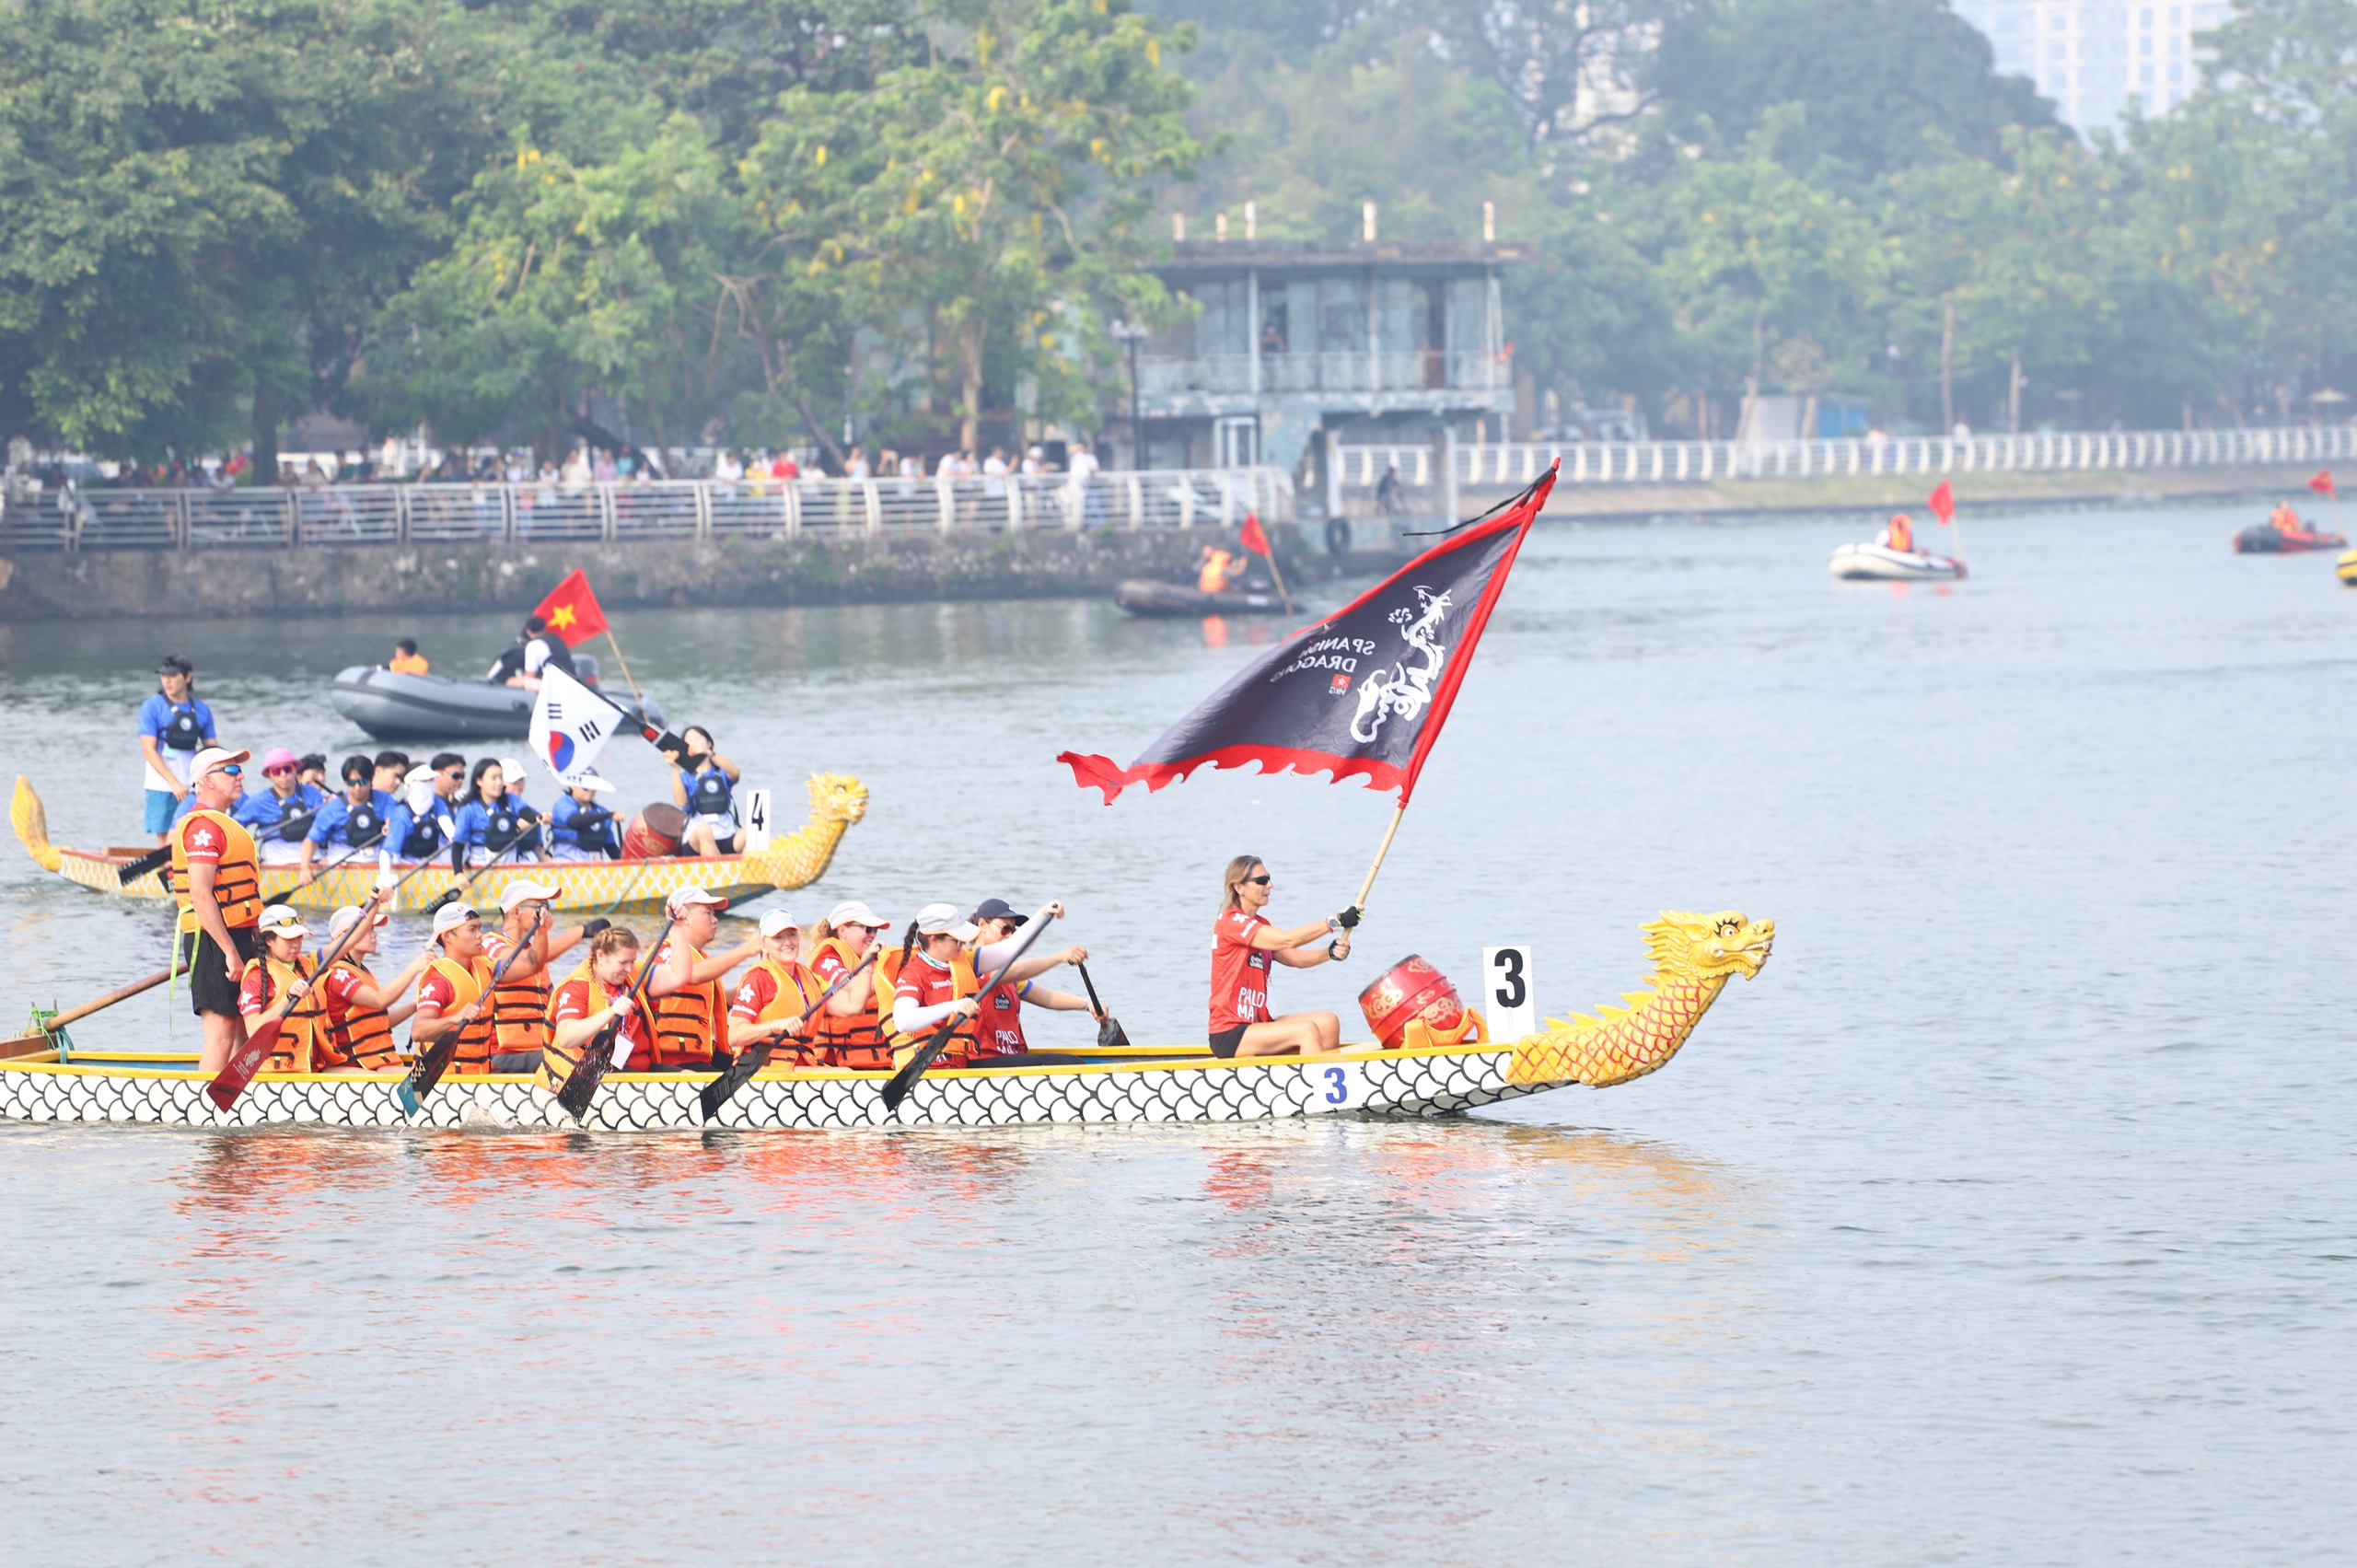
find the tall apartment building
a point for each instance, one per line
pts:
(2092, 56)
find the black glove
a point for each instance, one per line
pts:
(591, 927)
(1348, 918)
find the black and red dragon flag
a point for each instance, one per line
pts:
(1362, 693)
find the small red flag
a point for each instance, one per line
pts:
(1943, 504)
(1254, 537)
(571, 610)
(2322, 485)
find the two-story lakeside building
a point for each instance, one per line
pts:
(1298, 343)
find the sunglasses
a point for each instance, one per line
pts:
(1262, 880)
(233, 769)
(273, 773)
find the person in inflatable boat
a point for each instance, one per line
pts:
(1899, 534)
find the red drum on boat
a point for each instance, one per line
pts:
(653, 832)
(1410, 990)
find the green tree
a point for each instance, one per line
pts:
(983, 214)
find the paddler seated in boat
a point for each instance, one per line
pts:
(703, 786)
(423, 824)
(1899, 534)
(362, 1011)
(269, 974)
(519, 1002)
(1214, 569)
(1000, 1031)
(688, 988)
(392, 769)
(487, 829)
(450, 993)
(598, 993)
(313, 770)
(847, 1033)
(279, 815)
(216, 881)
(932, 980)
(534, 839)
(534, 650)
(581, 828)
(775, 992)
(349, 825)
(1243, 945)
(406, 659)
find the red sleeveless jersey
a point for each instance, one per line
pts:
(1001, 1023)
(1239, 972)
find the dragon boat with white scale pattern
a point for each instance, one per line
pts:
(793, 861)
(47, 1078)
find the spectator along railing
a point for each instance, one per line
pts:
(831, 508)
(1669, 463)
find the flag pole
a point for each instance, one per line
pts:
(1368, 886)
(625, 663)
(1269, 555)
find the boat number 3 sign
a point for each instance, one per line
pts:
(757, 821)
(1506, 1004)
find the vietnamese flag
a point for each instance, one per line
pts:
(1363, 692)
(1943, 504)
(571, 610)
(2322, 485)
(1252, 536)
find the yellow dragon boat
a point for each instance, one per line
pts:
(795, 860)
(44, 1078)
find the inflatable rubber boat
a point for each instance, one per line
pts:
(2266, 538)
(434, 707)
(1879, 563)
(1144, 596)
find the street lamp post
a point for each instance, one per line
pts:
(1132, 334)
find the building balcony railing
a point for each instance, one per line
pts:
(73, 518)
(1417, 370)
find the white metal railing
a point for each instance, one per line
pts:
(1349, 370)
(1667, 462)
(403, 514)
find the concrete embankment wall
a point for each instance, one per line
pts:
(1983, 491)
(336, 580)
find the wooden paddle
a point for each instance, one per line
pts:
(1109, 1027)
(723, 1089)
(580, 1085)
(434, 1060)
(897, 1088)
(40, 1039)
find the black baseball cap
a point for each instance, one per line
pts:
(999, 908)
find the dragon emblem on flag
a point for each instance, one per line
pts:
(1400, 689)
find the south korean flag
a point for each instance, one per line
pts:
(570, 724)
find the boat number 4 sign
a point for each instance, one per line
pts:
(757, 821)
(1507, 1006)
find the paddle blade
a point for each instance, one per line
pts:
(1109, 1031)
(244, 1063)
(153, 860)
(723, 1089)
(897, 1088)
(581, 1083)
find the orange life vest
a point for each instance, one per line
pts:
(961, 982)
(297, 1047)
(468, 982)
(360, 1037)
(237, 881)
(793, 989)
(1902, 534)
(519, 1010)
(557, 1063)
(691, 1023)
(1213, 577)
(856, 1042)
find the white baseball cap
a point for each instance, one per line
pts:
(522, 891)
(514, 767)
(420, 774)
(852, 913)
(449, 917)
(681, 898)
(777, 921)
(348, 916)
(280, 920)
(214, 757)
(935, 920)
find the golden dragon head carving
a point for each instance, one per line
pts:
(1707, 946)
(837, 797)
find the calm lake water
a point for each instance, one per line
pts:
(2006, 1218)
